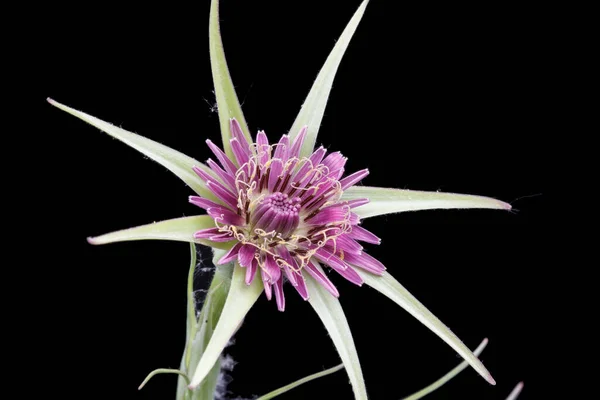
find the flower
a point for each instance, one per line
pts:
(284, 212)
(285, 208)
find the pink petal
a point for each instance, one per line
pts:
(279, 296)
(360, 233)
(353, 179)
(322, 279)
(230, 255)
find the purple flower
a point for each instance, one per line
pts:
(280, 210)
(284, 212)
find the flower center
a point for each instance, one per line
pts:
(277, 212)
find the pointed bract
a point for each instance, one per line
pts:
(390, 287)
(313, 107)
(388, 201)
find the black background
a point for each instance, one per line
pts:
(429, 97)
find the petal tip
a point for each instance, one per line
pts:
(92, 240)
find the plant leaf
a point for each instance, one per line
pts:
(240, 299)
(176, 162)
(162, 371)
(515, 392)
(299, 382)
(227, 100)
(440, 382)
(387, 201)
(390, 287)
(313, 108)
(178, 229)
(332, 315)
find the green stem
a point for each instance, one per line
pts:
(299, 382)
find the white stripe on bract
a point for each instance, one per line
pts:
(388, 201)
(313, 107)
(240, 299)
(332, 315)
(390, 287)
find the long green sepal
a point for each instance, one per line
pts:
(444, 379)
(388, 201)
(390, 287)
(176, 162)
(227, 100)
(240, 299)
(178, 229)
(313, 108)
(330, 311)
(299, 382)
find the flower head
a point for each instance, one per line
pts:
(283, 209)
(284, 213)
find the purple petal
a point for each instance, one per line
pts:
(263, 148)
(337, 213)
(357, 202)
(282, 148)
(317, 156)
(226, 178)
(295, 151)
(225, 216)
(222, 237)
(327, 257)
(222, 157)
(223, 194)
(353, 178)
(360, 233)
(366, 262)
(242, 156)
(271, 269)
(206, 233)
(202, 202)
(251, 272)
(236, 132)
(266, 283)
(350, 274)
(334, 161)
(230, 255)
(339, 266)
(291, 275)
(354, 219)
(246, 255)
(276, 168)
(279, 297)
(322, 279)
(348, 245)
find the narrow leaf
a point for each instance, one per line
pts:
(390, 287)
(178, 229)
(206, 321)
(515, 392)
(387, 201)
(162, 371)
(440, 382)
(227, 100)
(176, 162)
(299, 382)
(240, 299)
(331, 314)
(313, 108)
